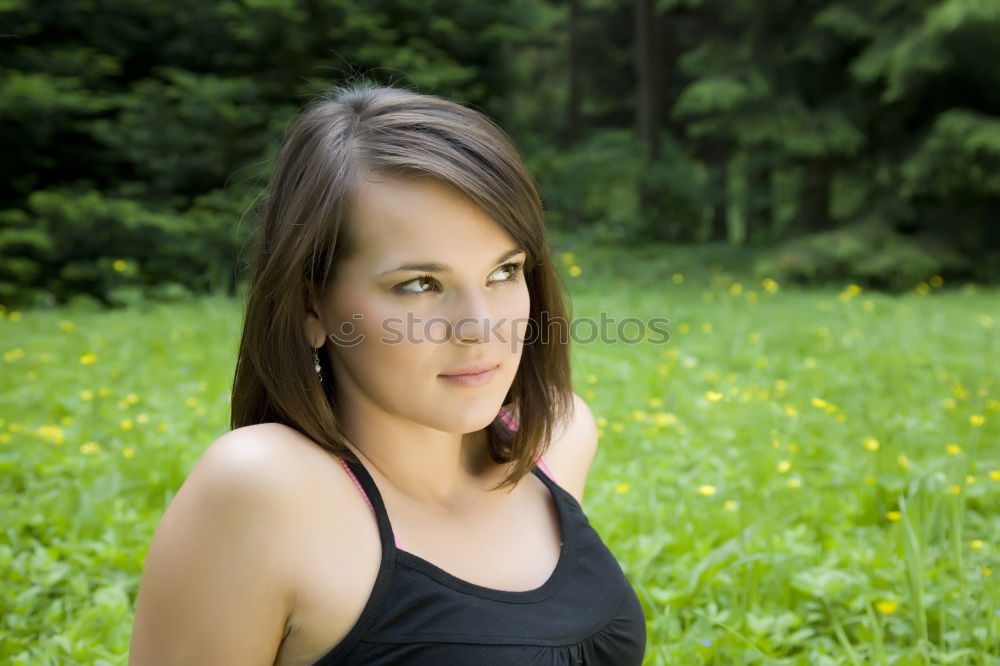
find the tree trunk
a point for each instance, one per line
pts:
(814, 197)
(649, 87)
(717, 158)
(759, 202)
(573, 121)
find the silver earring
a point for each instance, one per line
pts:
(316, 366)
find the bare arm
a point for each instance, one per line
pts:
(572, 450)
(212, 590)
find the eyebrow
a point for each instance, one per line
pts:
(444, 268)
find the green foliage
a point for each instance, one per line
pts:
(868, 253)
(68, 243)
(598, 178)
(959, 156)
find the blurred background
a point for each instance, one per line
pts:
(806, 473)
(853, 140)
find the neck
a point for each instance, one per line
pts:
(439, 470)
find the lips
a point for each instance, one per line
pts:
(474, 369)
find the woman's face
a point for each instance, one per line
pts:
(393, 328)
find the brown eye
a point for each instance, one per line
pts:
(422, 280)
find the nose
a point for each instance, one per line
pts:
(472, 318)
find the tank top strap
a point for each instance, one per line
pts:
(366, 484)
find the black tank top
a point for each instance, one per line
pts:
(586, 613)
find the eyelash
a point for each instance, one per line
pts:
(512, 280)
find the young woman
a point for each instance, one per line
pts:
(382, 497)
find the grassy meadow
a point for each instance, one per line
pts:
(797, 476)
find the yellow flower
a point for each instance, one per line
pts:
(977, 544)
(119, 265)
(977, 420)
(769, 285)
(678, 278)
(66, 420)
(67, 326)
(163, 427)
(871, 443)
(986, 571)
(969, 479)
(191, 402)
(731, 505)
(893, 515)
(123, 404)
(128, 452)
(639, 414)
(104, 391)
(125, 424)
(15, 315)
(683, 328)
(886, 607)
(575, 270)
(4, 438)
(664, 419)
(753, 338)
(713, 396)
(707, 490)
(602, 422)
(621, 488)
(735, 289)
(903, 461)
(953, 449)
(936, 281)
(568, 258)
(13, 354)
(850, 292)
(706, 327)
(922, 288)
(142, 418)
(90, 448)
(784, 466)
(591, 379)
(88, 358)
(132, 398)
(819, 403)
(985, 321)
(655, 403)
(955, 489)
(51, 433)
(995, 475)
(868, 306)
(791, 411)
(869, 480)
(794, 483)
(617, 427)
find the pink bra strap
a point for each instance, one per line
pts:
(364, 494)
(507, 418)
(545, 468)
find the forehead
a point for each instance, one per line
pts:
(397, 220)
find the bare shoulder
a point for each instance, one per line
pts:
(220, 550)
(573, 448)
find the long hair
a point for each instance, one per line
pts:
(340, 138)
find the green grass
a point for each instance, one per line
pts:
(795, 477)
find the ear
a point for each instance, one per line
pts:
(315, 331)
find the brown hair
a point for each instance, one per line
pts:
(340, 138)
